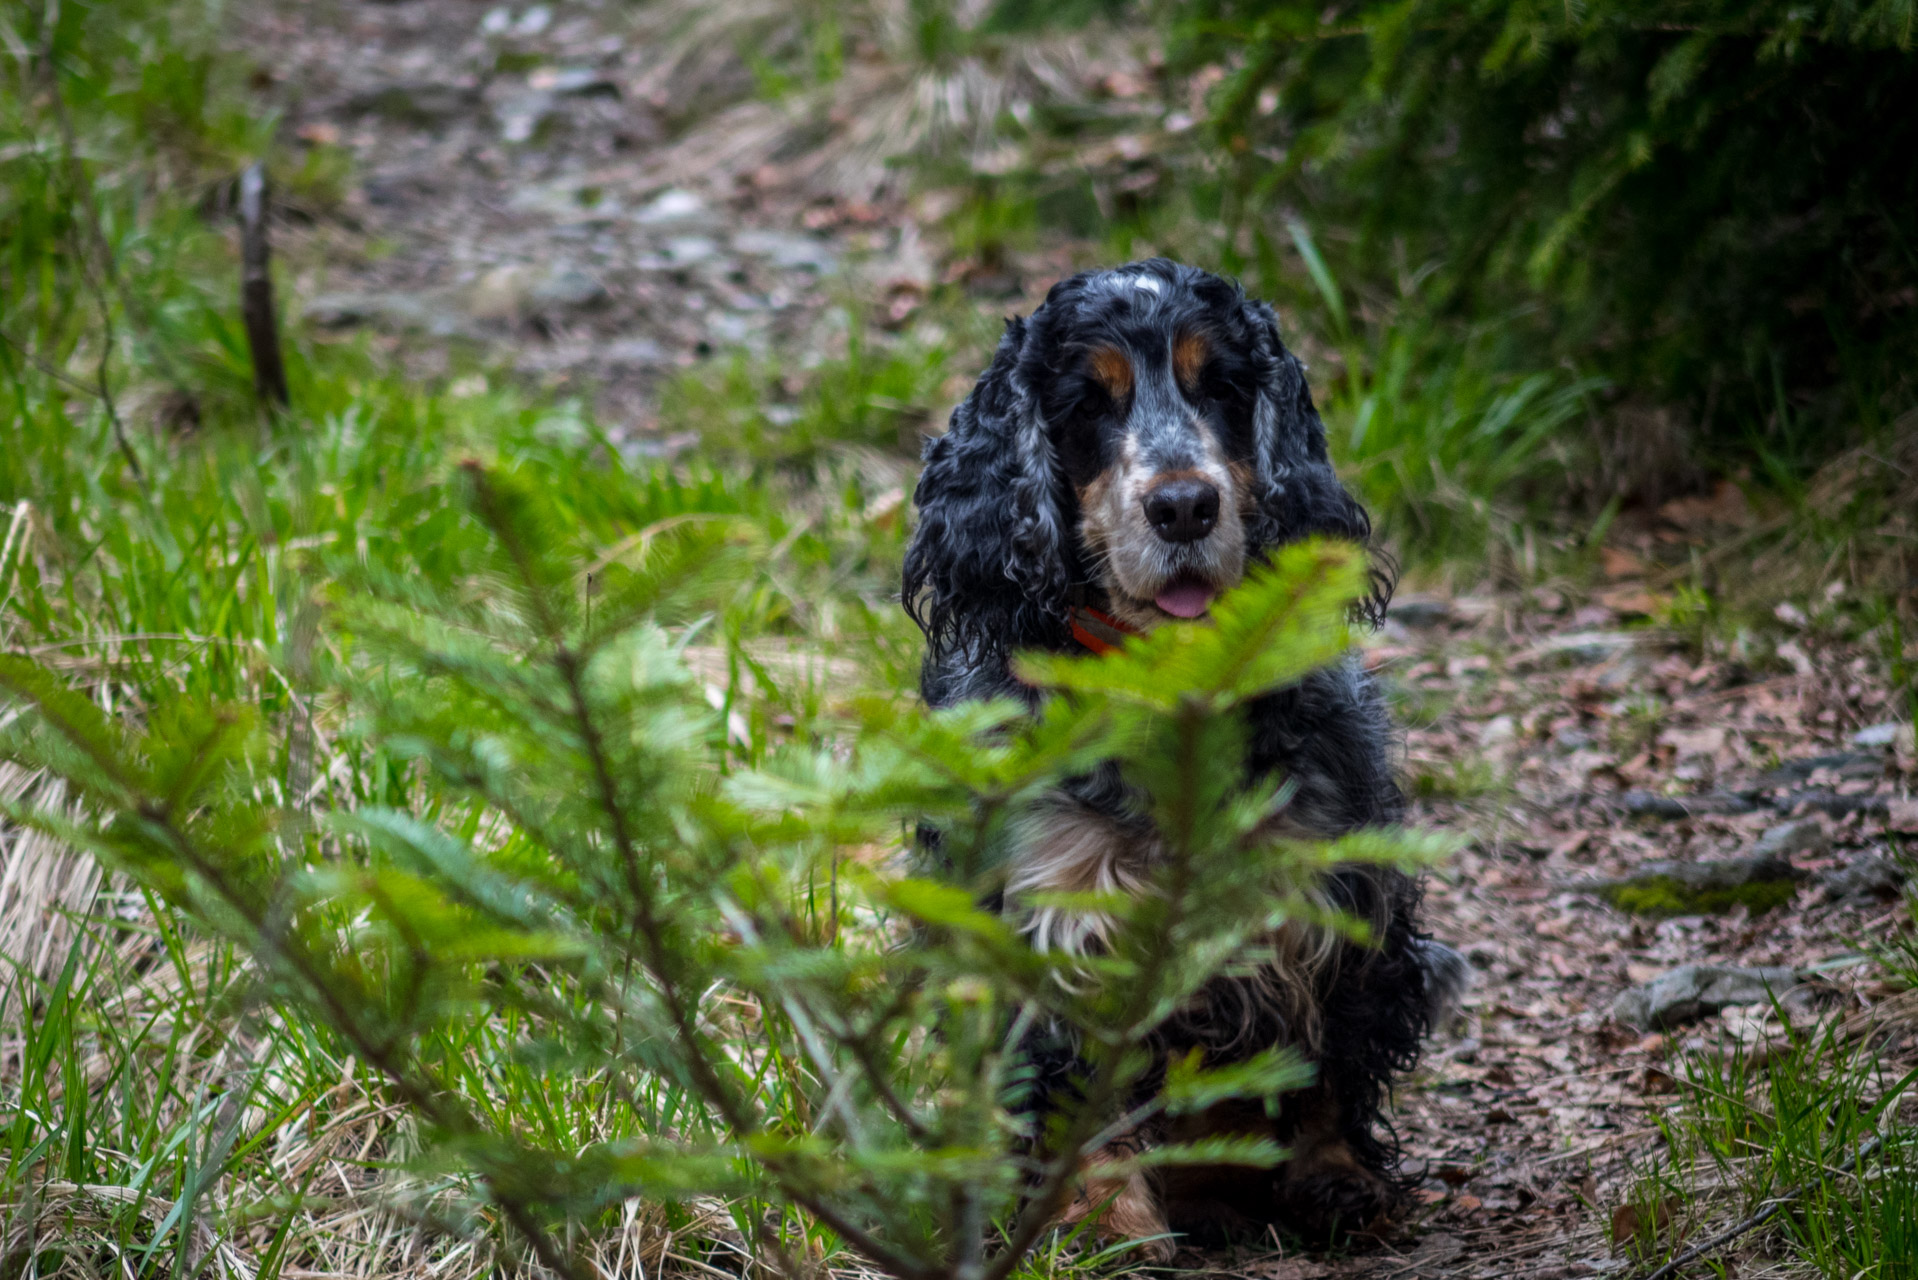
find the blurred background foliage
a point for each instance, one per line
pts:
(1711, 205)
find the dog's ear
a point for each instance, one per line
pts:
(1300, 493)
(987, 570)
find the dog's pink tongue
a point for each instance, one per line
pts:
(1185, 599)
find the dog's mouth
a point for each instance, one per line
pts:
(1186, 595)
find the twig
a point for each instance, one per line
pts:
(256, 291)
(1759, 1219)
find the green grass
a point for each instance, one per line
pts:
(1822, 1124)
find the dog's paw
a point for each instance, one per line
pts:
(1124, 1209)
(1328, 1192)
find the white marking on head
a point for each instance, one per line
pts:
(1147, 283)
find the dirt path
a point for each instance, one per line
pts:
(515, 194)
(1559, 745)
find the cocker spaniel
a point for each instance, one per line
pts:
(1134, 445)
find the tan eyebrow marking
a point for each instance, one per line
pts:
(1112, 370)
(1189, 354)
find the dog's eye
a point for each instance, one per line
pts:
(1218, 383)
(1076, 429)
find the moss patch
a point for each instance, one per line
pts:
(1669, 896)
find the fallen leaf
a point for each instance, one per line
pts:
(1615, 562)
(1633, 602)
(1628, 1220)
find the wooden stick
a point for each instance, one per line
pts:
(256, 291)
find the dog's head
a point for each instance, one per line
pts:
(1144, 433)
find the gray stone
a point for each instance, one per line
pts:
(1421, 611)
(786, 249)
(632, 351)
(521, 115)
(1572, 738)
(1788, 839)
(423, 103)
(572, 82)
(670, 206)
(1579, 648)
(519, 289)
(1694, 991)
(1881, 736)
(1844, 764)
(1650, 804)
(381, 310)
(566, 288)
(684, 251)
(1836, 806)
(729, 327)
(500, 294)
(1867, 877)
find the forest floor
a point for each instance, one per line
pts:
(515, 205)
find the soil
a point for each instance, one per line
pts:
(516, 199)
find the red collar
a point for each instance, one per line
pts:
(1099, 632)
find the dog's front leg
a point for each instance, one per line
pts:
(1124, 1206)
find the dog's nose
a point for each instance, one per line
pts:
(1182, 510)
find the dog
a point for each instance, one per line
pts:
(1135, 444)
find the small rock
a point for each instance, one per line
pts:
(785, 249)
(521, 115)
(1694, 991)
(1868, 877)
(1499, 731)
(1572, 738)
(534, 20)
(1421, 611)
(424, 103)
(1882, 736)
(566, 288)
(729, 328)
(674, 205)
(1651, 804)
(1580, 647)
(386, 310)
(632, 351)
(1698, 888)
(500, 294)
(1836, 806)
(684, 251)
(496, 22)
(1844, 764)
(572, 82)
(1789, 839)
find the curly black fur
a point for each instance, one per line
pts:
(990, 571)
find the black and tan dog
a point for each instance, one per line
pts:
(1135, 444)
